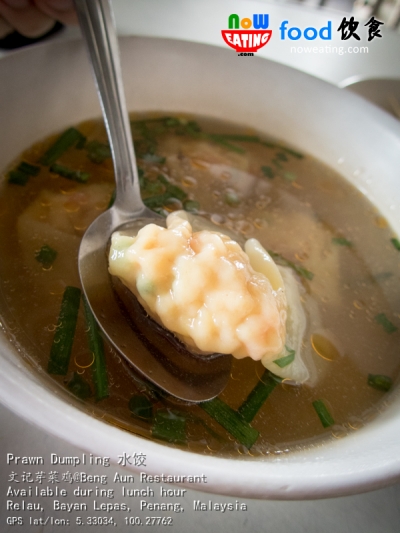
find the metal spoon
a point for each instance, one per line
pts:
(153, 351)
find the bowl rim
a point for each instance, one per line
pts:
(289, 477)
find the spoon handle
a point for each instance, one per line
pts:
(98, 30)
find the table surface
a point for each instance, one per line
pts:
(374, 512)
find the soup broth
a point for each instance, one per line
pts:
(341, 250)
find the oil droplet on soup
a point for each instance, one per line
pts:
(309, 219)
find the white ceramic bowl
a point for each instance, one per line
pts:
(49, 87)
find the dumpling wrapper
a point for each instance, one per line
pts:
(214, 296)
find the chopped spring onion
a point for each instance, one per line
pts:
(257, 397)
(46, 256)
(112, 199)
(27, 168)
(156, 201)
(380, 382)
(159, 200)
(18, 178)
(170, 426)
(289, 151)
(100, 377)
(224, 143)
(290, 176)
(152, 187)
(69, 138)
(281, 156)
(286, 360)
(297, 268)
(341, 241)
(396, 243)
(22, 173)
(80, 387)
(191, 205)
(69, 173)
(268, 172)
(382, 276)
(323, 413)
(153, 159)
(232, 421)
(176, 192)
(64, 335)
(141, 407)
(235, 137)
(98, 152)
(232, 199)
(383, 320)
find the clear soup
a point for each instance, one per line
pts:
(344, 255)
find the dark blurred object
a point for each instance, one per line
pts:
(16, 40)
(386, 10)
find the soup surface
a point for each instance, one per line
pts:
(344, 257)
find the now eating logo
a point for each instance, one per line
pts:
(246, 39)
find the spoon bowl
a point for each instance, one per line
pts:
(153, 351)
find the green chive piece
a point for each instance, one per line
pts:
(27, 168)
(382, 276)
(396, 243)
(17, 177)
(341, 241)
(297, 268)
(227, 145)
(153, 187)
(69, 173)
(98, 152)
(170, 426)
(112, 199)
(64, 335)
(383, 320)
(191, 127)
(81, 143)
(176, 192)
(159, 200)
(141, 407)
(286, 360)
(380, 382)
(232, 421)
(191, 205)
(67, 139)
(232, 199)
(277, 163)
(156, 201)
(174, 121)
(281, 156)
(96, 346)
(171, 122)
(268, 172)
(162, 179)
(292, 152)
(161, 211)
(142, 178)
(80, 387)
(257, 397)
(22, 173)
(289, 151)
(235, 137)
(153, 159)
(290, 176)
(46, 255)
(323, 413)
(218, 139)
